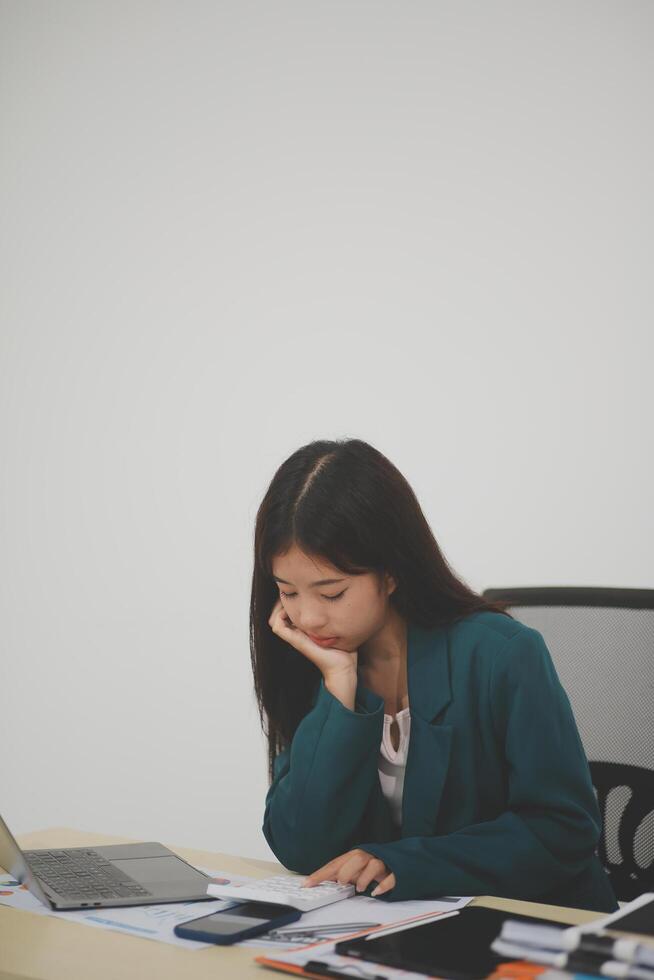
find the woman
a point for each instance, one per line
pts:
(419, 737)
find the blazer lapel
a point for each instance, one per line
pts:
(428, 673)
(429, 744)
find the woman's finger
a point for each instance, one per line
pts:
(350, 870)
(279, 618)
(326, 873)
(384, 886)
(275, 610)
(375, 870)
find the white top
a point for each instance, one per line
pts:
(392, 764)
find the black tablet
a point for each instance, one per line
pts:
(457, 947)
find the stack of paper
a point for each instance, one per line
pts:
(321, 955)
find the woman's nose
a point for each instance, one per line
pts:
(311, 624)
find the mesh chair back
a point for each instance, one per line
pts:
(602, 645)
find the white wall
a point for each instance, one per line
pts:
(231, 228)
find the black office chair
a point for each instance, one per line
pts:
(602, 645)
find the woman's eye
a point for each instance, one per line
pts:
(332, 598)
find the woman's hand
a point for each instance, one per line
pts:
(358, 868)
(330, 661)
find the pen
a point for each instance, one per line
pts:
(609, 946)
(316, 966)
(548, 944)
(575, 940)
(599, 967)
(341, 928)
(564, 975)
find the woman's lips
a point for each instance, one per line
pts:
(323, 643)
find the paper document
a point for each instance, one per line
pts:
(332, 922)
(343, 964)
(148, 921)
(351, 916)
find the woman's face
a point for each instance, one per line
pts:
(348, 608)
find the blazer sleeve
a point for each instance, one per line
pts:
(551, 825)
(322, 783)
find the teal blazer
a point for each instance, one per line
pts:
(497, 795)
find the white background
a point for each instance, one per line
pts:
(229, 228)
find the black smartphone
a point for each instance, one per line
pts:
(242, 921)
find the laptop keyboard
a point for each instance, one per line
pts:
(80, 873)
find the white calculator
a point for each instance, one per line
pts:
(282, 890)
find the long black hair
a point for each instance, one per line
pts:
(344, 501)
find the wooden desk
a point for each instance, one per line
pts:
(35, 947)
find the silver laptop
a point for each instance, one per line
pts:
(91, 877)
